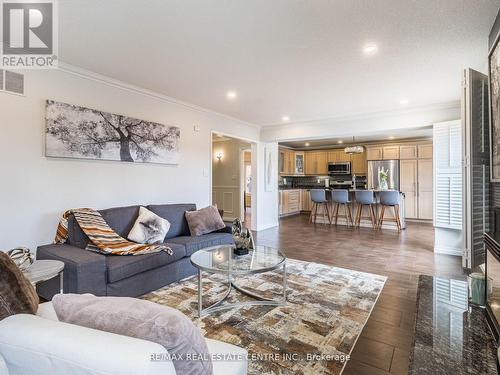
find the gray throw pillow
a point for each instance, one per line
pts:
(204, 221)
(143, 320)
(149, 228)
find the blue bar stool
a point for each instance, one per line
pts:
(319, 200)
(341, 197)
(365, 198)
(390, 198)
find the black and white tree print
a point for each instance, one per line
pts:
(74, 131)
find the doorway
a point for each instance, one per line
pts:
(232, 178)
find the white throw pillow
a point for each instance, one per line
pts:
(149, 228)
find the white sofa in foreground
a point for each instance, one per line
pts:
(41, 345)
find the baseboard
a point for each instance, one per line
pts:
(448, 250)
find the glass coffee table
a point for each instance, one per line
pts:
(222, 260)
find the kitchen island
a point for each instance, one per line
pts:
(301, 202)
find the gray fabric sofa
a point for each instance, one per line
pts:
(133, 275)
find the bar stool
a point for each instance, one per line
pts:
(319, 200)
(341, 197)
(390, 198)
(365, 198)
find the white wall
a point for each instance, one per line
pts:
(35, 190)
(266, 207)
(362, 125)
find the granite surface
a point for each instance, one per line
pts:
(450, 336)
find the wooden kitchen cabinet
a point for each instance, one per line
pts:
(286, 162)
(425, 188)
(321, 162)
(335, 156)
(359, 165)
(408, 152)
(289, 202)
(374, 153)
(425, 151)
(408, 185)
(306, 203)
(390, 152)
(316, 162)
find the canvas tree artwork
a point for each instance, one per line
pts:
(78, 132)
(494, 65)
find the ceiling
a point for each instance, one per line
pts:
(301, 59)
(392, 136)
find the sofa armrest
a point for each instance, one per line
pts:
(31, 344)
(84, 271)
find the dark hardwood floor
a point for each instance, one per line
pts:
(385, 343)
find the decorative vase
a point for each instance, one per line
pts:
(383, 185)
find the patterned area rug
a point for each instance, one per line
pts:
(326, 311)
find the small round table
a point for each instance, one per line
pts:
(222, 260)
(43, 270)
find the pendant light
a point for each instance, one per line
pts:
(354, 149)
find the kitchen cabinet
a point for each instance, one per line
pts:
(359, 165)
(335, 156)
(321, 162)
(316, 162)
(286, 162)
(408, 185)
(390, 152)
(408, 152)
(425, 189)
(374, 153)
(306, 203)
(425, 151)
(289, 202)
(299, 163)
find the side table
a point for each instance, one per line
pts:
(43, 270)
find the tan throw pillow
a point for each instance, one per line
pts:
(17, 295)
(149, 228)
(204, 221)
(143, 320)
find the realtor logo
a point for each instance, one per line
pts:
(29, 34)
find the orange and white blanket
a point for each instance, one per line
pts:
(102, 238)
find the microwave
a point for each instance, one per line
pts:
(339, 168)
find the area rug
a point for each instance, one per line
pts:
(313, 334)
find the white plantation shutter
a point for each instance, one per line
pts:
(448, 175)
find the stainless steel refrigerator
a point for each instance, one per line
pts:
(388, 167)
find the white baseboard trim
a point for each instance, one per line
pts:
(448, 250)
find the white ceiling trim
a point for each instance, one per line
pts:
(455, 104)
(87, 74)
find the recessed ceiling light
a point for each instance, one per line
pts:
(340, 141)
(285, 118)
(370, 49)
(307, 144)
(403, 101)
(231, 95)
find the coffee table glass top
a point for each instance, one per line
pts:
(221, 259)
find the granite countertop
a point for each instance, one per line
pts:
(450, 336)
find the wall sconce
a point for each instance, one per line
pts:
(219, 155)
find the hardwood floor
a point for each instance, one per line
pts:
(385, 343)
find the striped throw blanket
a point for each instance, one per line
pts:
(102, 238)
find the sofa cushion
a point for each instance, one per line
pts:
(206, 220)
(120, 219)
(194, 244)
(121, 267)
(174, 213)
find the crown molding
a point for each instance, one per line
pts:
(122, 85)
(370, 115)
